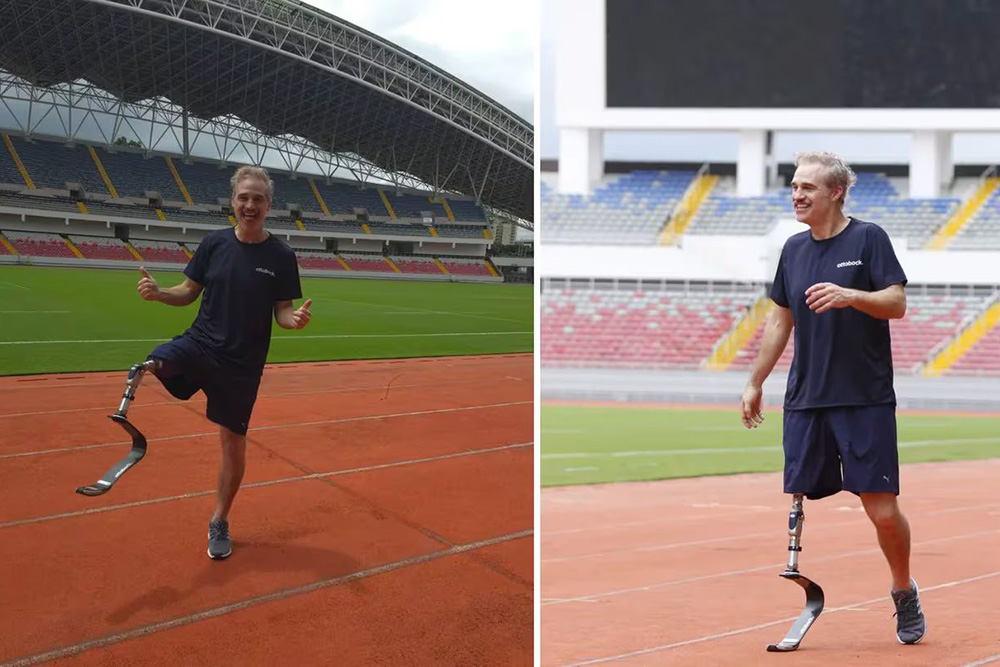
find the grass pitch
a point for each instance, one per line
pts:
(583, 444)
(70, 319)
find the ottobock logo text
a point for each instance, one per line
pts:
(856, 262)
(261, 269)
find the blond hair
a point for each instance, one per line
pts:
(243, 173)
(838, 172)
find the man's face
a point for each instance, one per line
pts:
(812, 197)
(250, 202)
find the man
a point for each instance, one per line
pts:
(245, 275)
(838, 284)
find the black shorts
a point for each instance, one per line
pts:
(188, 368)
(832, 449)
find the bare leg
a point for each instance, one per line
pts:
(234, 455)
(893, 535)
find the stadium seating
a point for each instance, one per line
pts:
(874, 198)
(453, 230)
(930, 320)
(39, 244)
(38, 202)
(624, 209)
(466, 211)
(982, 232)
(412, 264)
(983, 358)
(410, 206)
(52, 165)
(465, 267)
(160, 251)
(134, 175)
(319, 260)
(94, 247)
(673, 328)
(362, 262)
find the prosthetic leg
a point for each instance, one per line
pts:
(814, 594)
(104, 484)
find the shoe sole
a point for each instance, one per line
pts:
(221, 556)
(911, 643)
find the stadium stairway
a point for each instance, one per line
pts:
(17, 161)
(72, 247)
(7, 245)
(177, 178)
(388, 206)
(739, 335)
(319, 197)
(103, 173)
(446, 205)
(441, 267)
(952, 351)
(963, 215)
(696, 194)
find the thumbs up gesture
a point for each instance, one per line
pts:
(147, 287)
(301, 315)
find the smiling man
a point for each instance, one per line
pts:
(838, 284)
(245, 276)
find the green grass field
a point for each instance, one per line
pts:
(591, 445)
(62, 319)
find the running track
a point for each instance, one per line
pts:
(385, 518)
(684, 572)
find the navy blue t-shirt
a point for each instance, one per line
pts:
(843, 357)
(242, 281)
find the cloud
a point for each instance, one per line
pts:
(488, 45)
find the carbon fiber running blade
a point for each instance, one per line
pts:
(814, 605)
(104, 484)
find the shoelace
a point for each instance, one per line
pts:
(906, 607)
(219, 531)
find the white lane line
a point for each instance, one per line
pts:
(760, 626)
(985, 661)
(5, 282)
(201, 399)
(679, 545)
(771, 566)
(272, 482)
(731, 450)
(273, 338)
(104, 380)
(342, 420)
(285, 593)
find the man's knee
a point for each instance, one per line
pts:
(882, 509)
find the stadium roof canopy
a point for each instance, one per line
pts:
(286, 69)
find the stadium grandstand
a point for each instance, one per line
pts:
(654, 264)
(388, 168)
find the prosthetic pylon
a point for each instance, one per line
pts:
(120, 417)
(814, 594)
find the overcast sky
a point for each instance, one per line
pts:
(488, 45)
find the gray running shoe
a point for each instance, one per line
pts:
(910, 623)
(219, 544)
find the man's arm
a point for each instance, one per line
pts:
(776, 331)
(886, 304)
(178, 295)
(288, 317)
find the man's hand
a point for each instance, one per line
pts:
(750, 406)
(147, 287)
(301, 315)
(821, 297)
